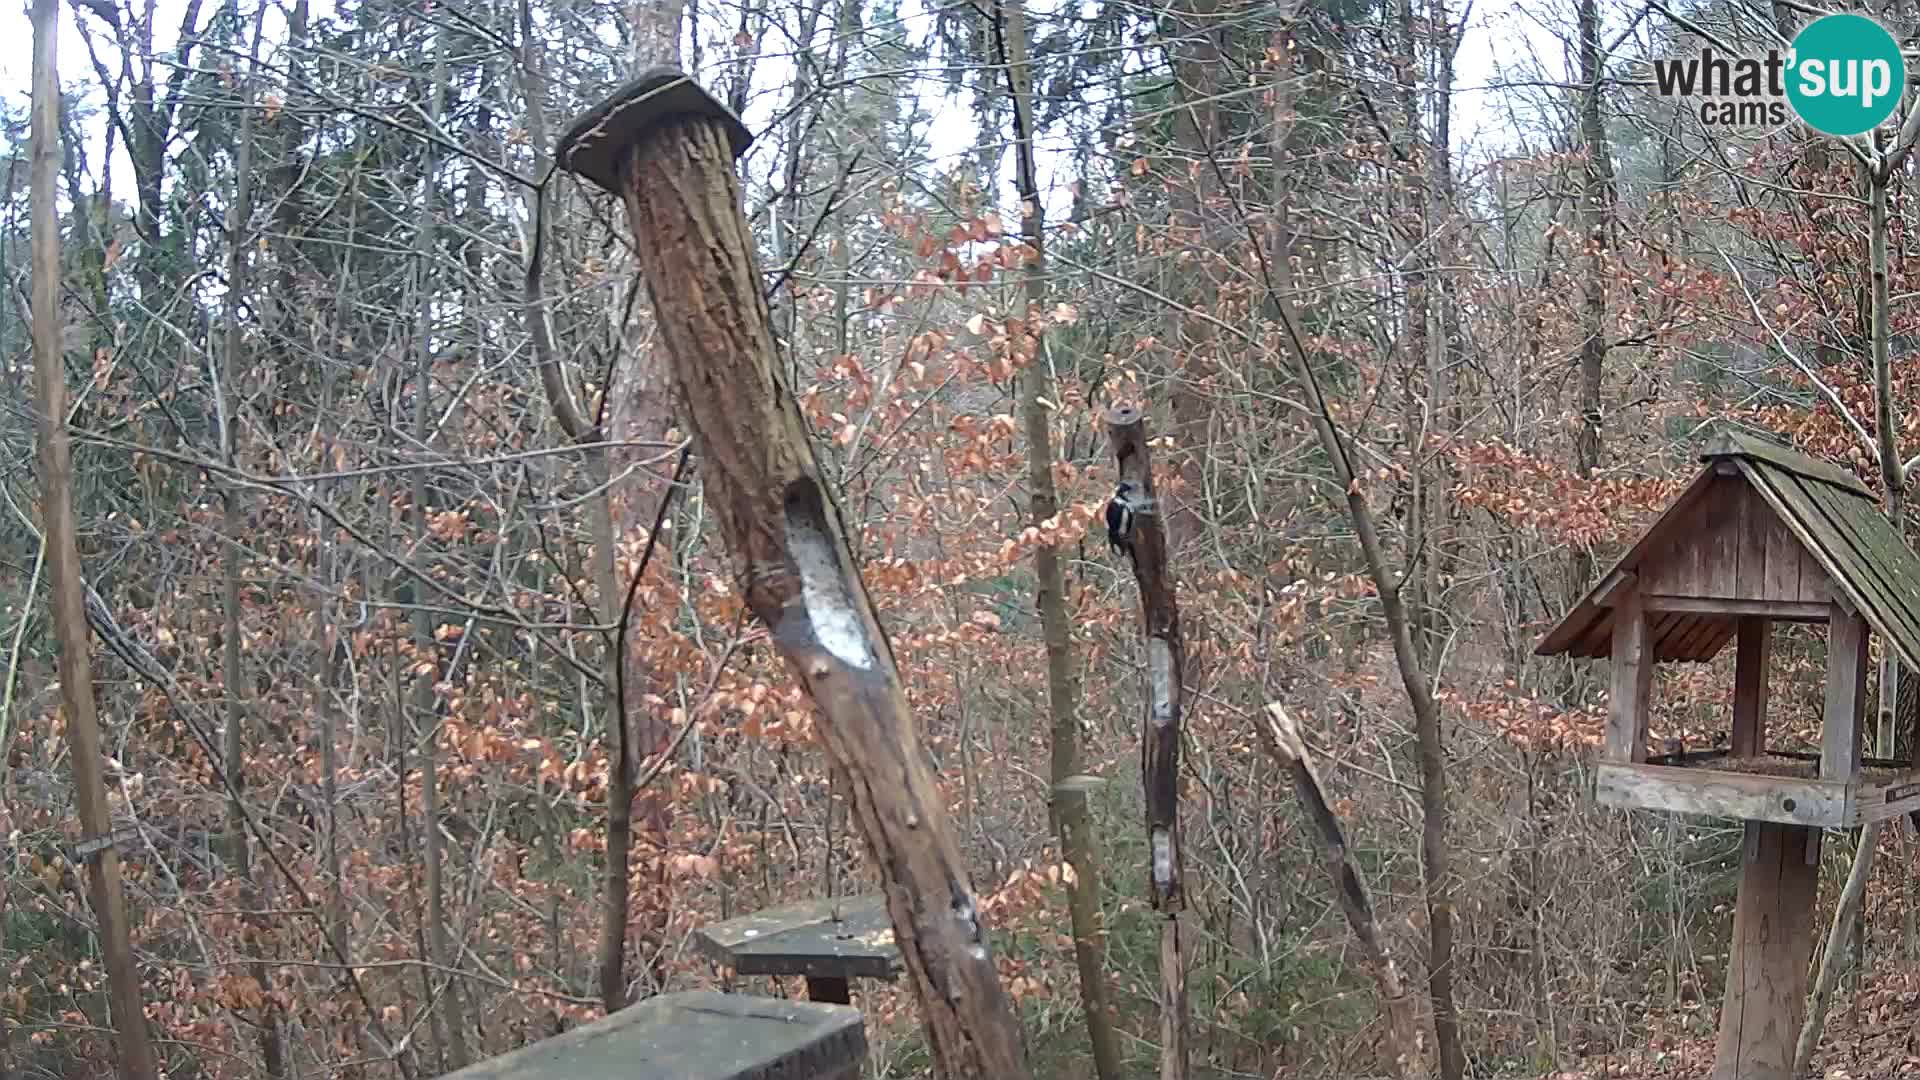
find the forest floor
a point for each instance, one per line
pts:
(1871, 1034)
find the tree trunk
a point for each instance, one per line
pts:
(1070, 817)
(1435, 857)
(1846, 925)
(1596, 181)
(227, 387)
(1839, 936)
(440, 951)
(639, 414)
(670, 154)
(63, 555)
(1197, 67)
(1147, 548)
(1410, 228)
(1436, 871)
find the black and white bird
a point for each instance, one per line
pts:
(1120, 519)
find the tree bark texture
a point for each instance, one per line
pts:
(793, 558)
(1160, 735)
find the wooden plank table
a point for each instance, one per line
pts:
(827, 941)
(701, 1035)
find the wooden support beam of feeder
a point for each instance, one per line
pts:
(667, 148)
(700, 1035)
(1840, 742)
(1753, 651)
(1632, 683)
(1772, 943)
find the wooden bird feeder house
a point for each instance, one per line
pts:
(1762, 535)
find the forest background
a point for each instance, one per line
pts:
(364, 487)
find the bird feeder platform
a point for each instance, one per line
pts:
(696, 1036)
(828, 941)
(1762, 535)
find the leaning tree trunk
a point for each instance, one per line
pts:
(1282, 738)
(63, 555)
(1436, 858)
(667, 147)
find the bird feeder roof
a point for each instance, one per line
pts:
(1828, 514)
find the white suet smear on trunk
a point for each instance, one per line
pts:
(837, 626)
(1162, 843)
(1160, 672)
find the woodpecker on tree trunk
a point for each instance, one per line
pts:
(1120, 519)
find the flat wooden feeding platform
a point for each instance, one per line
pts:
(1780, 787)
(700, 1035)
(828, 941)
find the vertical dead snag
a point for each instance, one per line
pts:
(1160, 737)
(1283, 741)
(667, 147)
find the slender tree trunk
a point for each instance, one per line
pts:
(440, 950)
(1886, 432)
(1070, 817)
(1197, 68)
(1436, 869)
(1444, 345)
(616, 875)
(639, 410)
(1596, 181)
(1412, 227)
(234, 675)
(63, 555)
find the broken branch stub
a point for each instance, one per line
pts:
(670, 154)
(1405, 1040)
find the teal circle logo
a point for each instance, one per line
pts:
(1846, 75)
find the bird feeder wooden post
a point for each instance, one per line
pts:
(667, 148)
(1763, 535)
(1146, 546)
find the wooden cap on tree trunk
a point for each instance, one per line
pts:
(595, 145)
